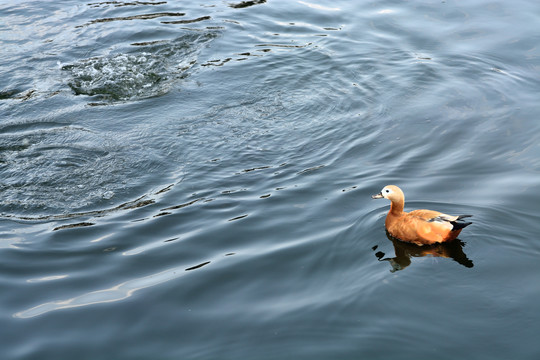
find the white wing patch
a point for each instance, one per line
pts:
(443, 218)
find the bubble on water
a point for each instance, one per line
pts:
(107, 195)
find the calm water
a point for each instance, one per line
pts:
(192, 180)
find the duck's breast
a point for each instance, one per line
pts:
(402, 227)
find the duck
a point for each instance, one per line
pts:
(420, 227)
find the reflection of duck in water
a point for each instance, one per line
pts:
(420, 227)
(404, 251)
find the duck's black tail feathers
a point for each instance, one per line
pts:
(457, 224)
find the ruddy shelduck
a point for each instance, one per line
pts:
(421, 227)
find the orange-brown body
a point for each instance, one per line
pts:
(421, 227)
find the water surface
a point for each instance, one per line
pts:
(193, 181)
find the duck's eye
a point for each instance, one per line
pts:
(387, 191)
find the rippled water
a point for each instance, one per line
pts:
(193, 181)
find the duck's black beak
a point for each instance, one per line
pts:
(377, 196)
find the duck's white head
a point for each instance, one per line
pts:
(390, 192)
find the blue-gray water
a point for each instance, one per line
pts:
(192, 180)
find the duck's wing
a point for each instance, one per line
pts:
(431, 215)
(451, 218)
(438, 217)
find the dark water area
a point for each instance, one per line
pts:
(192, 180)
